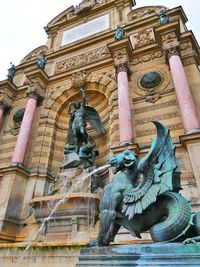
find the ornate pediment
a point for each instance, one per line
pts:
(72, 12)
(144, 12)
(41, 50)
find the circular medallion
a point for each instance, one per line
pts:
(18, 116)
(150, 80)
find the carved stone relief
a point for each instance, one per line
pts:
(169, 38)
(79, 78)
(142, 38)
(145, 12)
(82, 59)
(41, 50)
(146, 58)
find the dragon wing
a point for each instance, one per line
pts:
(92, 116)
(160, 174)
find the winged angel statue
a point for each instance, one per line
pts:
(78, 138)
(144, 195)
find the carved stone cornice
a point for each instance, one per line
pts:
(171, 50)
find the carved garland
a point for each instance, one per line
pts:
(82, 60)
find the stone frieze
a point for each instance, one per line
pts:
(82, 59)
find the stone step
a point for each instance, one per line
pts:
(152, 255)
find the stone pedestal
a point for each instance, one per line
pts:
(12, 192)
(152, 255)
(72, 221)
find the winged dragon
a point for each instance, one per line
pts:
(144, 195)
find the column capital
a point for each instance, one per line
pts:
(171, 50)
(123, 66)
(4, 103)
(35, 92)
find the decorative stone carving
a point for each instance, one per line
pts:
(122, 67)
(145, 12)
(84, 7)
(146, 58)
(41, 50)
(143, 38)
(185, 46)
(82, 59)
(79, 78)
(169, 38)
(152, 97)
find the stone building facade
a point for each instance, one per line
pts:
(151, 73)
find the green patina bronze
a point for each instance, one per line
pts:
(144, 195)
(41, 62)
(150, 80)
(11, 72)
(119, 34)
(18, 116)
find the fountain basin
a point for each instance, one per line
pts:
(73, 220)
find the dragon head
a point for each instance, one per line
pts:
(126, 159)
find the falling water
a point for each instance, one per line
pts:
(64, 199)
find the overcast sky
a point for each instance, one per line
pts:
(22, 22)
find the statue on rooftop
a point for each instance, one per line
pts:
(144, 195)
(163, 17)
(41, 62)
(11, 72)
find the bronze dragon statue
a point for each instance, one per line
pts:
(144, 195)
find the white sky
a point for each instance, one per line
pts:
(22, 22)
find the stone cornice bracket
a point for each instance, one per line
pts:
(171, 50)
(36, 81)
(121, 52)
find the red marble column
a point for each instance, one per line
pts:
(184, 96)
(124, 106)
(25, 130)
